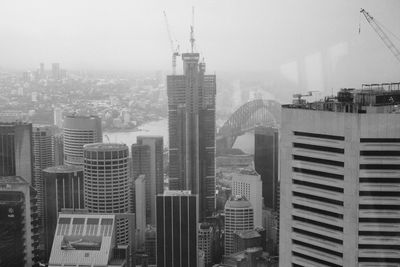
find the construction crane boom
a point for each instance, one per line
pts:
(389, 44)
(174, 49)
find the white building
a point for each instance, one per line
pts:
(140, 214)
(340, 186)
(249, 185)
(238, 217)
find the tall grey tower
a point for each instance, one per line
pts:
(191, 118)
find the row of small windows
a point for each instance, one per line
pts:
(317, 198)
(308, 245)
(319, 160)
(318, 211)
(315, 235)
(319, 148)
(319, 173)
(319, 186)
(317, 135)
(316, 223)
(307, 257)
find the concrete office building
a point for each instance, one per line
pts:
(58, 149)
(106, 182)
(79, 131)
(191, 120)
(248, 184)
(140, 197)
(19, 223)
(147, 159)
(239, 216)
(43, 158)
(340, 179)
(63, 189)
(83, 239)
(150, 244)
(266, 151)
(16, 150)
(177, 216)
(205, 242)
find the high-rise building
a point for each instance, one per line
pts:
(106, 182)
(266, 149)
(147, 158)
(43, 158)
(19, 223)
(55, 71)
(191, 119)
(140, 214)
(248, 184)
(79, 131)
(205, 242)
(150, 244)
(42, 73)
(58, 149)
(63, 189)
(16, 150)
(58, 117)
(177, 216)
(83, 239)
(238, 217)
(339, 179)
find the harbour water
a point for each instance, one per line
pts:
(129, 137)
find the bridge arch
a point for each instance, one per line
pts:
(255, 113)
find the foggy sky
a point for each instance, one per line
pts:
(311, 42)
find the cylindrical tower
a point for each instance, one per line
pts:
(79, 131)
(106, 182)
(238, 217)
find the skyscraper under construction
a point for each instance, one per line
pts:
(191, 118)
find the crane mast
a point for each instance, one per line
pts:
(174, 49)
(389, 44)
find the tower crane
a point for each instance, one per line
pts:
(378, 29)
(298, 100)
(174, 47)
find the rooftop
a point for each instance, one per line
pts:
(105, 147)
(63, 169)
(83, 239)
(370, 98)
(12, 180)
(237, 202)
(247, 234)
(177, 193)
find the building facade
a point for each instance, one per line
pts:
(63, 189)
(266, 159)
(16, 150)
(147, 158)
(339, 180)
(77, 132)
(43, 158)
(177, 216)
(239, 216)
(106, 182)
(140, 214)
(19, 223)
(191, 122)
(205, 242)
(249, 185)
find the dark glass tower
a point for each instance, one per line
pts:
(177, 216)
(191, 118)
(16, 150)
(147, 159)
(63, 189)
(266, 163)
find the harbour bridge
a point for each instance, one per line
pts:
(255, 113)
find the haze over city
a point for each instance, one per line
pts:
(213, 133)
(234, 36)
